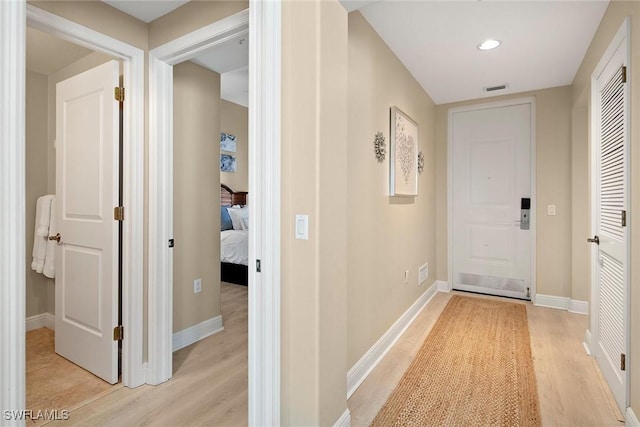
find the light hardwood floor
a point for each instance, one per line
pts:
(209, 386)
(571, 389)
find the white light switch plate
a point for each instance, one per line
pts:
(551, 210)
(302, 227)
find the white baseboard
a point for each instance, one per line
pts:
(344, 420)
(587, 342)
(363, 367)
(197, 332)
(562, 303)
(443, 286)
(630, 418)
(44, 320)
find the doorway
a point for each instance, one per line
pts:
(492, 215)
(73, 153)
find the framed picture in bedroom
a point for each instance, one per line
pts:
(227, 142)
(227, 163)
(403, 161)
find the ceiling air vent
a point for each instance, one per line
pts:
(495, 88)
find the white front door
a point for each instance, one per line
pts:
(611, 142)
(491, 174)
(87, 182)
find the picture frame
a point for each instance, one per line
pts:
(227, 142)
(227, 163)
(403, 162)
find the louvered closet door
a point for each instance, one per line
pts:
(611, 199)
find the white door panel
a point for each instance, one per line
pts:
(611, 199)
(87, 174)
(491, 174)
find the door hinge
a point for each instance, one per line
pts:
(623, 362)
(623, 219)
(118, 213)
(118, 333)
(624, 74)
(258, 266)
(118, 93)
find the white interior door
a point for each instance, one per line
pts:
(611, 198)
(87, 178)
(491, 162)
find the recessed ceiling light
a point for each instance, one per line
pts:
(489, 44)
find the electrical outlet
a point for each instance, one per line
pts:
(406, 276)
(197, 286)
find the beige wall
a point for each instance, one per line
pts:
(386, 235)
(611, 22)
(196, 213)
(314, 165)
(234, 119)
(190, 17)
(553, 187)
(36, 182)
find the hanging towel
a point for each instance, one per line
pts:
(40, 235)
(43, 209)
(49, 268)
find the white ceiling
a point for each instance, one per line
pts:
(234, 86)
(543, 42)
(146, 10)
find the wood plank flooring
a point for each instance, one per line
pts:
(209, 386)
(571, 389)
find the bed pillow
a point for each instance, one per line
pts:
(239, 217)
(225, 219)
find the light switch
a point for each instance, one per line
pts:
(551, 209)
(302, 227)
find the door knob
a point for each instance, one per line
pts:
(595, 240)
(56, 238)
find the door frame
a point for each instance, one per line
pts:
(263, 22)
(533, 216)
(15, 16)
(622, 36)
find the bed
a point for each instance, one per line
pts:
(234, 236)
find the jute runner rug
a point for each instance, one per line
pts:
(474, 369)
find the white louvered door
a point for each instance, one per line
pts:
(611, 150)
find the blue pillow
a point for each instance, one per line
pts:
(225, 219)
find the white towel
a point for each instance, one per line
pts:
(43, 209)
(43, 206)
(49, 268)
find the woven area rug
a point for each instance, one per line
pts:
(474, 369)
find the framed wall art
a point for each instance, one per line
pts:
(403, 161)
(227, 163)
(227, 142)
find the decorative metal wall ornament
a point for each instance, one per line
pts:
(420, 163)
(379, 147)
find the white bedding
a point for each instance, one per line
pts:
(234, 246)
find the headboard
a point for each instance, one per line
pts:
(229, 197)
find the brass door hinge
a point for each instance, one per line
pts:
(118, 333)
(623, 362)
(118, 213)
(624, 74)
(118, 93)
